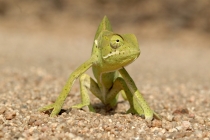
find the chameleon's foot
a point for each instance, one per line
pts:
(55, 109)
(157, 116)
(81, 105)
(148, 116)
(151, 116)
(132, 111)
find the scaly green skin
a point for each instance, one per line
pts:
(110, 54)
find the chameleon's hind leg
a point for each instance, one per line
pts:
(120, 85)
(87, 83)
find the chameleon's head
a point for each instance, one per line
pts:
(118, 50)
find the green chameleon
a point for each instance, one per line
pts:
(110, 54)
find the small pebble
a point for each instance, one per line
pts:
(177, 118)
(186, 125)
(198, 134)
(32, 120)
(169, 117)
(199, 119)
(9, 115)
(181, 111)
(157, 123)
(2, 110)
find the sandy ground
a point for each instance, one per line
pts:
(172, 72)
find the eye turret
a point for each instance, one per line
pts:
(116, 41)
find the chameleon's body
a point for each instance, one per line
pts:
(110, 53)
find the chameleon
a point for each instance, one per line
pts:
(111, 52)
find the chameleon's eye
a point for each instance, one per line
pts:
(116, 41)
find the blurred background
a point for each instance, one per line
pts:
(152, 18)
(173, 35)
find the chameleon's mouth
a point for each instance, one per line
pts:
(130, 54)
(119, 58)
(112, 54)
(134, 53)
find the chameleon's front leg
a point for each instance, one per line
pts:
(56, 107)
(87, 83)
(138, 100)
